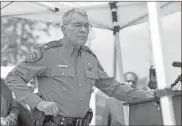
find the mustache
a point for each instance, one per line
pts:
(82, 36)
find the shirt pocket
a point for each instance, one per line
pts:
(63, 76)
(91, 76)
(63, 72)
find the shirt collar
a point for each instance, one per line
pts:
(68, 47)
(71, 49)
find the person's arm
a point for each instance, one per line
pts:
(12, 114)
(117, 90)
(23, 73)
(17, 79)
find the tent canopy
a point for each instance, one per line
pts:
(129, 13)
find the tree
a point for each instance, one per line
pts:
(21, 36)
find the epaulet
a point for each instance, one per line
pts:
(37, 54)
(51, 44)
(86, 48)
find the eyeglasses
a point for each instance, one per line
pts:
(130, 81)
(78, 25)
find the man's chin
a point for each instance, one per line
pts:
(133, 86)
(78, 44)
(81, 42)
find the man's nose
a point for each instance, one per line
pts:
(128, 83)
(83, 29)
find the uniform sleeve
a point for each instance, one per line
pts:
(12, 114)
(18, 78)
(112, 88)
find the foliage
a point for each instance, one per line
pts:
(21, 36)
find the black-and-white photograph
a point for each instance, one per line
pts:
(90, 63)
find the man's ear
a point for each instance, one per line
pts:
(63, 28)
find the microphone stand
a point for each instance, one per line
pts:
(157, 98)
(176, 81)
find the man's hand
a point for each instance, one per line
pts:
(49, 108)
(4, 122)
(150, 94)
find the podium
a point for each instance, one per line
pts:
(147, 112)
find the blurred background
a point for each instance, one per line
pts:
(23, 35)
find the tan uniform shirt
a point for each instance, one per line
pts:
(66, 78)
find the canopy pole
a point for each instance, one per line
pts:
(115, 26)
(116, 29)
(117, 63)
(166, 103)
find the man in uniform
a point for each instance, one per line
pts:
(66, 71)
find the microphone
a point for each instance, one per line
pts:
(152, 84)
(176, 64)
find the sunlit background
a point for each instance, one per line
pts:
(23, 35)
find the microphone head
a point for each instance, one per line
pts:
(176, 64)
(152, 84)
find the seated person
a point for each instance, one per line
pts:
(9, 108)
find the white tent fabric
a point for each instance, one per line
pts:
(129, 13)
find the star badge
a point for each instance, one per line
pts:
(89, 66)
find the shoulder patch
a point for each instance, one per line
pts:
(35, 56)
(38, 53)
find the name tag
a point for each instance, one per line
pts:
(62, 66)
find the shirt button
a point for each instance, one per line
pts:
(80, 98)
(80, 85)
(78, 71)
(63, 73)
